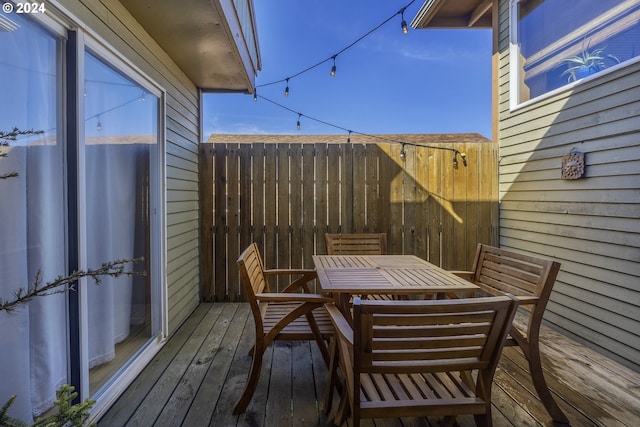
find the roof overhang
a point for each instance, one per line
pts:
(210, 40)
(454, 14)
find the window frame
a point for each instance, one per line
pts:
(515, 72)
(89, 42)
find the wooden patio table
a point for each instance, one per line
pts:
(347, 275)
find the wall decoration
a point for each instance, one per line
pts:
(573, 165)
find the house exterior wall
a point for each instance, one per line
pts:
(113, 23)
(591, 225)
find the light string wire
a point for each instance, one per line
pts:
(334, 56)
(455, 151)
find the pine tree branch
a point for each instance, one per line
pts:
(63, 284)
(10, 136)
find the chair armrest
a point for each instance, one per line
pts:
(526, 300)
(277, 271)
(463, 274)
(343, 328)
(281, 297)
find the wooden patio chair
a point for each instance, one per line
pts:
(287, 315)
(356, 244)
(406, 358)
(530, 279)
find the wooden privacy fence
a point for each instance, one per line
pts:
(286, 196)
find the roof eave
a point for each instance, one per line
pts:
(205, 38)
(454, 14)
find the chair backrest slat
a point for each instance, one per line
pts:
(499, 271)
(430, 336)
(356, 244)
(251, 270)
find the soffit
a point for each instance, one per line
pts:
(200, 39)
(454, 14)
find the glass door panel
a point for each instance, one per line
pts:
(120, 146)
(33, 337)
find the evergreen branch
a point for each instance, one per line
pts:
(12, 135)
(9, 175)
(63, 284)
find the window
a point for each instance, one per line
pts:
(554, 44)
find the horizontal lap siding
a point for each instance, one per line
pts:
(592, 225)
(285, 197)
(112, 22)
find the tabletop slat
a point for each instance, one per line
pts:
(385, 274)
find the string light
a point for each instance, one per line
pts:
(255, 95)
(333, 57)
(99, 125)
(403, 25)
(455, 151)
(333, 69)
(402, 153)
(286, 90)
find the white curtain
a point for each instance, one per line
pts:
(33, 360)
(111, 233)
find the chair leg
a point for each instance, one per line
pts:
(343, 408)
(483, 420)
(333, 375)
(322, 345)
(539, 382)
(252, 382)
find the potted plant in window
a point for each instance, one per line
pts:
(586, 63)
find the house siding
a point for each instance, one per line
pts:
(114, 24)
(591, 225)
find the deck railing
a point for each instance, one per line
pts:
(285, 197)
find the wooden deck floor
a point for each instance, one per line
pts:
(197, 377)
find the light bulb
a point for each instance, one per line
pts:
(403, 24)
(333, 69)
(286, 90)
(298, 124)
(255, 95)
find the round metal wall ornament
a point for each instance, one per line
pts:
(573, 165)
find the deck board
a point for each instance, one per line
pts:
(198, 375)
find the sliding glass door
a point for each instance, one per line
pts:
(80, 185)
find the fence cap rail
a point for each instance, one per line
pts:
(425, 139)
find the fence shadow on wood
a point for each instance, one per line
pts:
(285, 197)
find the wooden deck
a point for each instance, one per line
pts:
(197, 377)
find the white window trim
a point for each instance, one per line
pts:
(514, 71)
(108, 395)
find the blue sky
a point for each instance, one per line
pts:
(426, 81)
